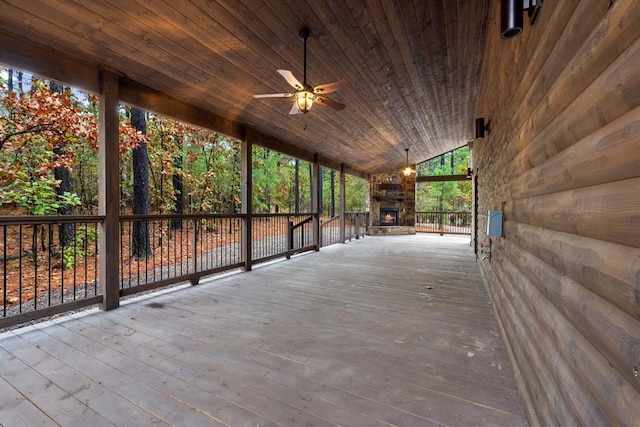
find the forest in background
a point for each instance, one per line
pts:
(444, 196)
(49, 161)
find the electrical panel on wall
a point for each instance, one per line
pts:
(494, 224)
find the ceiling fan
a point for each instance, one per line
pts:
(305, 95)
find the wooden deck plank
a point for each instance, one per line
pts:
(18, 411)
(392, 330)
(228, 356)
(185, 375)
(100, 399)
(66, 345)
(43, 394)
(229, 382)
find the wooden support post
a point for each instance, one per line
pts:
(109, 190)
(194, 250)
(316, 202)
(474, 215)
(246, 148)
(289, 238)
(342, 205)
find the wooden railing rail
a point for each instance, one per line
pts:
(291, 231)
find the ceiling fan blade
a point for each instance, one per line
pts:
(273, 95)
(323, 100)
(290, 78)
(330, 87)
(295, 109)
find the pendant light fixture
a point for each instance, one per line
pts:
(407, 170)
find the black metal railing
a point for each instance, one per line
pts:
(444, 222)
(276, 235)
(356, 225)
(331, 231)
(157, 250)
(49, 265)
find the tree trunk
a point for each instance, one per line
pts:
(333, 193)
(320, 188)
(310, 186)
(19, 76)
(441, 198)
(296, 187)
(177, 191)
(10, 81)
(140, 245)
(66, 231)
(453, 167)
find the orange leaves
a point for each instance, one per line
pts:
(129, 137)
(44, 119)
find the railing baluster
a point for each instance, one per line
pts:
(75, 261)
(35, 266)
(4, 271)
(20, 254)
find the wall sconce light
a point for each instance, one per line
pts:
(481, 128)
(512, 21)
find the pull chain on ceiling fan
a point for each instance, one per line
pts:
(305, 95)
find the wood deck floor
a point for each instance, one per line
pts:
(393, 330)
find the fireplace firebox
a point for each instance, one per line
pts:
(389, 215)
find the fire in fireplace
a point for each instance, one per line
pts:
(389, 215)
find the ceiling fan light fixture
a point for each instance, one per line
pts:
(305, 95)
(304, 101)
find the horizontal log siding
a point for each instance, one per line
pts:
(563, 163)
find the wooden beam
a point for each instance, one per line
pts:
(109, 190)
(151, 100)
(442, 178)
(15, 52)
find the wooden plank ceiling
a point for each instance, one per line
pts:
(413, 66)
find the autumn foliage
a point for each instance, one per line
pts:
(41, 130)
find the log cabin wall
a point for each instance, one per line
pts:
(562, 160)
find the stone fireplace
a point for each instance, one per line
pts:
(392, 203)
